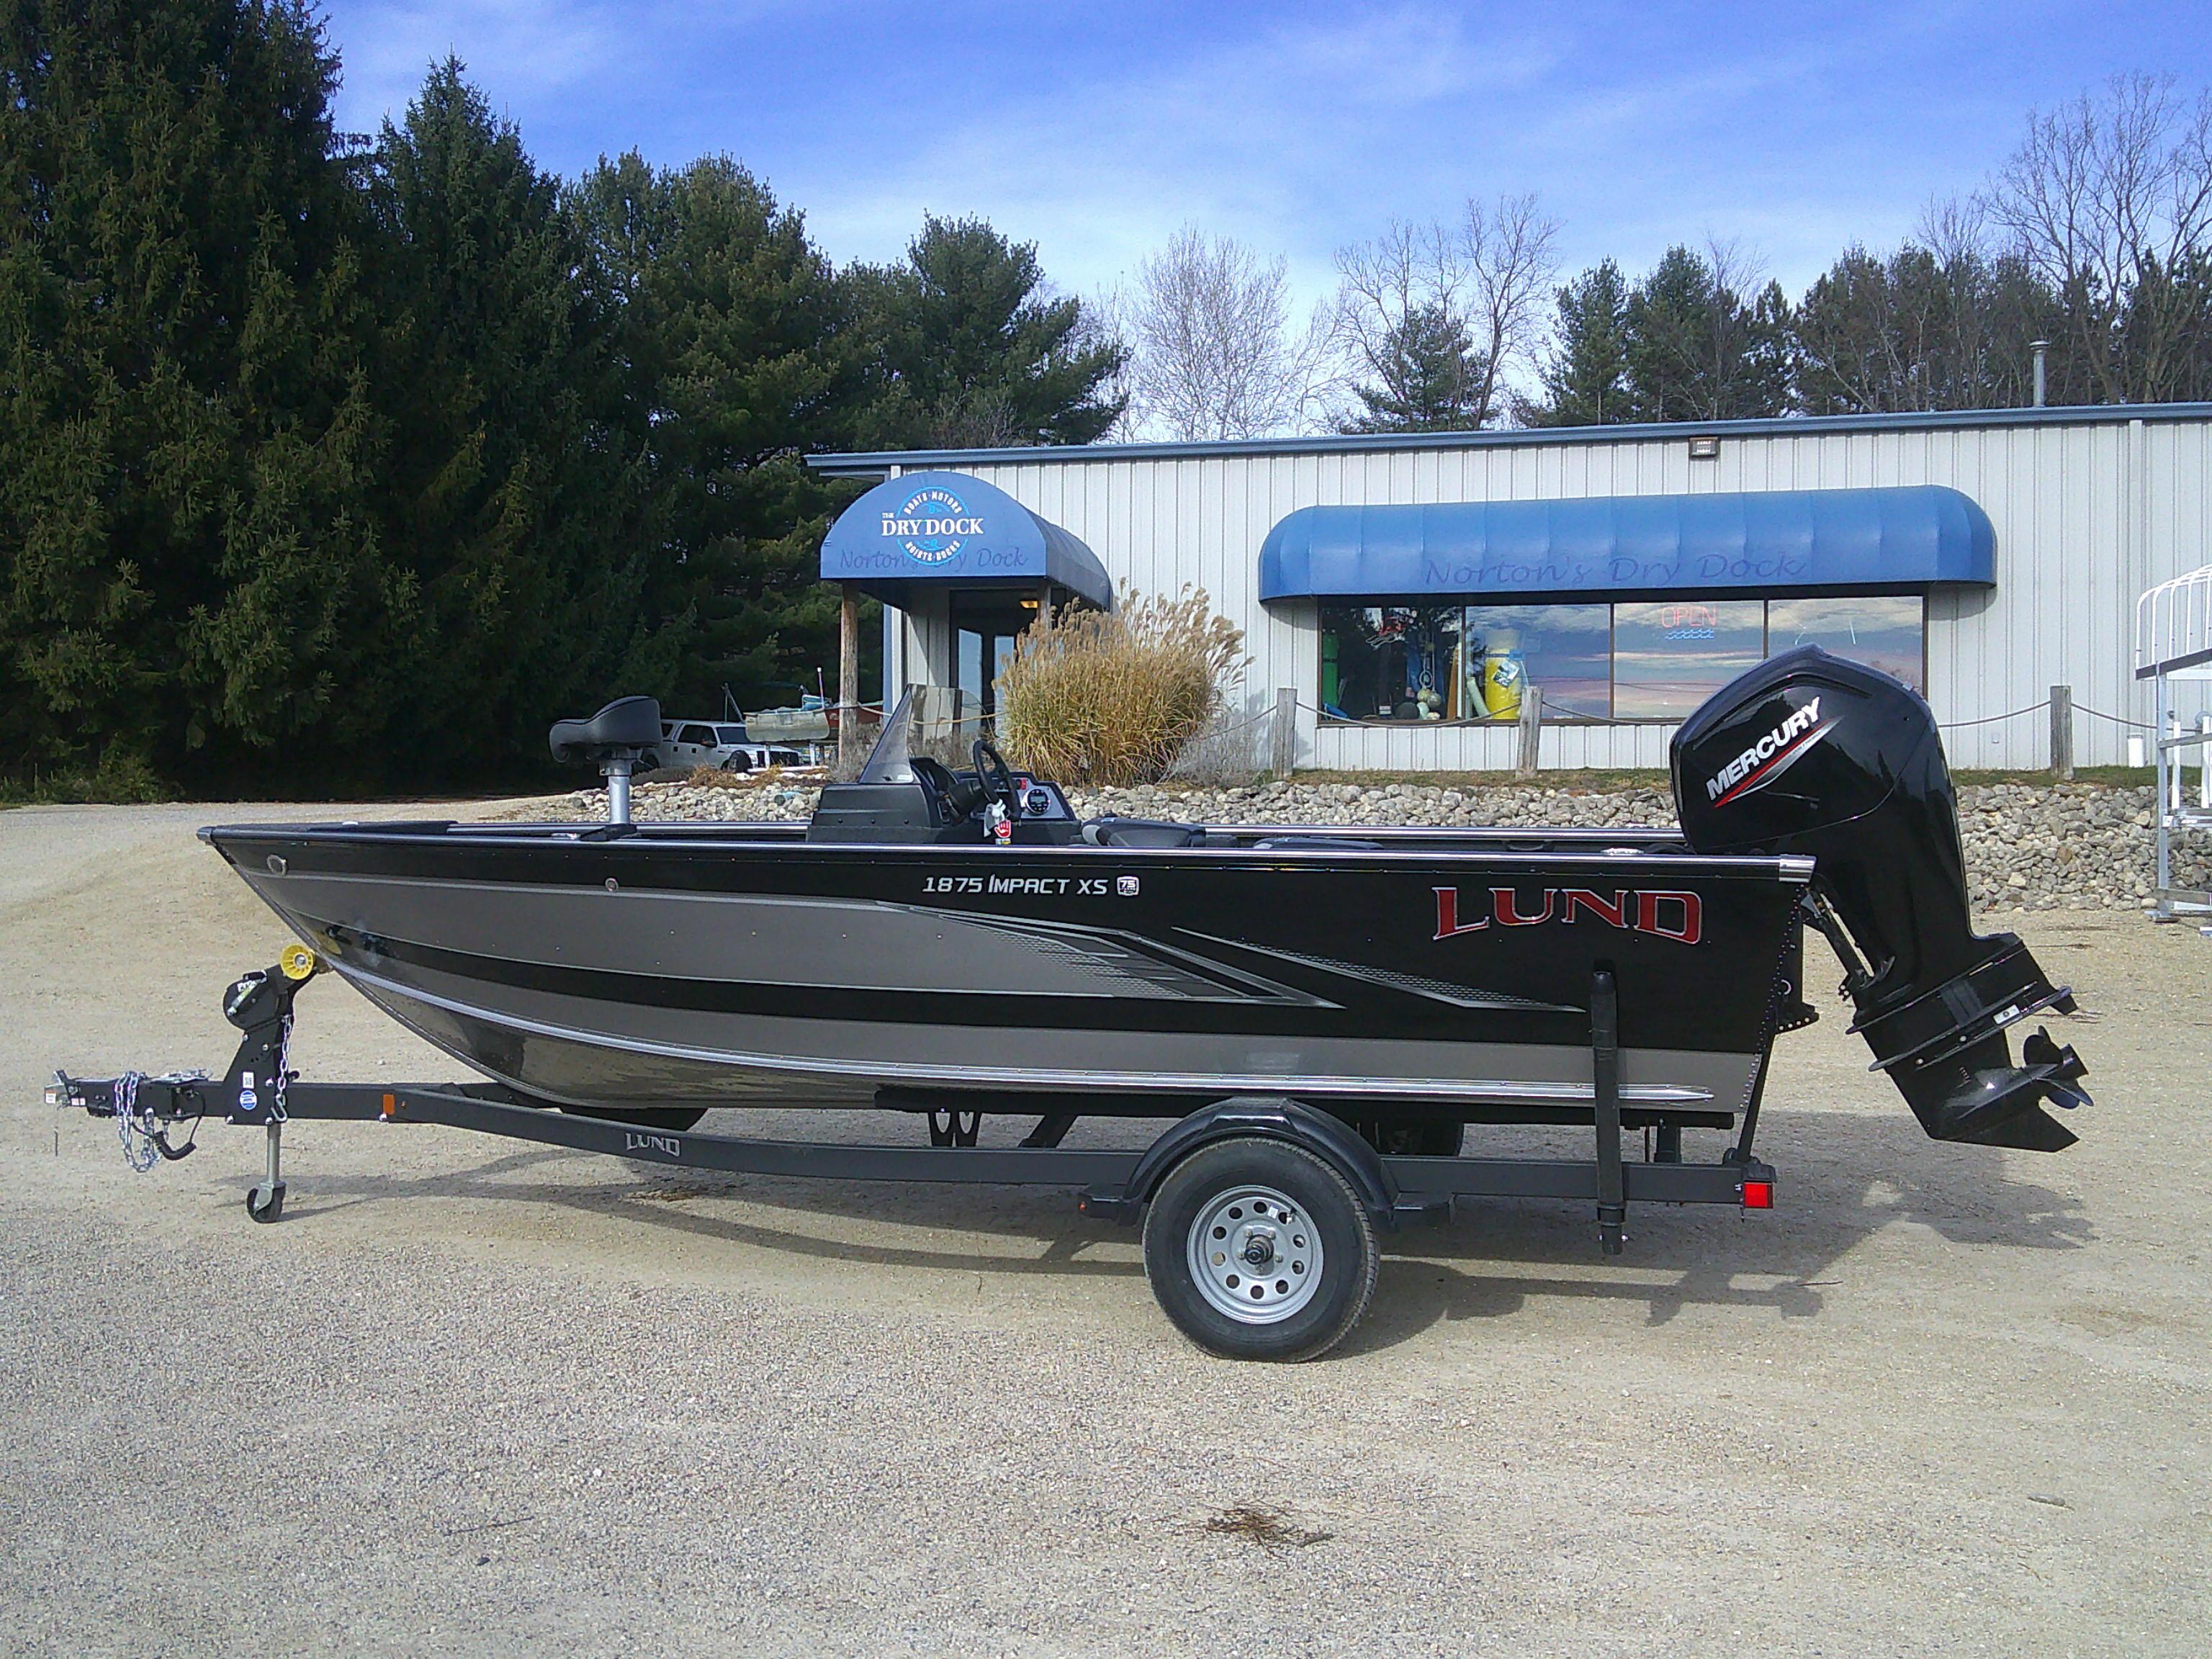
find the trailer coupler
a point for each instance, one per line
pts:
(148, 1110)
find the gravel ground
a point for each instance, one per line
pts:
(476, 1397)
(2061, 847)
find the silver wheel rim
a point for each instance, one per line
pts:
(1255, 1255)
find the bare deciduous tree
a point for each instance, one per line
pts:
(1475, 291)
(1510, 258)
(2110, 201)
(1216, 355)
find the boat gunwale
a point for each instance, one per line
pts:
(1583, 846)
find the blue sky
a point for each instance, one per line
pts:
(1095, 131)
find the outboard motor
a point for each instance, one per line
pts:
(1811, 754)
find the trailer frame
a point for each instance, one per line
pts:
(260, 1089)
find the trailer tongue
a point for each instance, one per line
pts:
(1233, 980)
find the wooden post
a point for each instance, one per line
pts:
(848, 680)
(2061, 732)
(1287, 731)
(1532, 727)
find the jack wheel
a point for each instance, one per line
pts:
(1257, 1249)
(272, 1210)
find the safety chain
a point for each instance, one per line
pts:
(276, 1112)
(135, 1131)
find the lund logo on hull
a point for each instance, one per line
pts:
(1663, 914)
(1769, 757)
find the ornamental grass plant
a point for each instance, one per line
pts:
(1111, 698)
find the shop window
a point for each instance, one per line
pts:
(1654, 661)
(1887, 631)
(1391, 662)
(1669, 656)
(1456, 663)
(1564, 649)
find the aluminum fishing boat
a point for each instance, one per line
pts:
(1322, 1014)
(935, 939)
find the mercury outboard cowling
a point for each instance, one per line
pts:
(1810, 753)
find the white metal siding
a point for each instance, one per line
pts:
(2087, 517)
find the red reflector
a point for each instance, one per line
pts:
(1758, 1195)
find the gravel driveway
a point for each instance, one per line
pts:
(480, 1397)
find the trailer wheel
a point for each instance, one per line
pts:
(1257, 1249)
(272, 1210)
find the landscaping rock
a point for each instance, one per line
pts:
(2061, 846)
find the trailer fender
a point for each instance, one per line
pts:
(1275, 1116)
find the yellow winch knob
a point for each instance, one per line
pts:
(298, 962)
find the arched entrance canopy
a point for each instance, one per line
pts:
(940, 530)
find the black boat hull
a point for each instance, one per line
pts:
(1443, 972)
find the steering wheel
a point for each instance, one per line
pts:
(996, 776)
(960, 797)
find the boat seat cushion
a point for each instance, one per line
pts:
(1112, 831)
(625, 723)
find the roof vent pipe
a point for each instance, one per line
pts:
(2039, 348)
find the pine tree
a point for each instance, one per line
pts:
(1586, 381)
(516, 484)
(188, 450)
(739, 358)
(1696, 350)
(971, 347)
(1430, 378)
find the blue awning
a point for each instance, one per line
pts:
(1810, 539)
(938, 528)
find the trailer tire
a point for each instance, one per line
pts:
(1255, 1199)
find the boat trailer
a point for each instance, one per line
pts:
(158, 1116)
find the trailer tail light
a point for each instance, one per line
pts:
(1758, 1195)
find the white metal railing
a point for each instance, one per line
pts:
(2173, 623)
(2174, 640)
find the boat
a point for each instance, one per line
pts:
(1321, 1015)
(941, 941)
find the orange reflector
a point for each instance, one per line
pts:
(1758, 1195)
(391, 1106)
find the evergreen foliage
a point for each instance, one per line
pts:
(1586, 381)
(1430, 378)
(191, 446)
(1698, 350)
(333, 465)
(514, 482)
(969, 348)
(737, 356)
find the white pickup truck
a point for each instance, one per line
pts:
(688, 743)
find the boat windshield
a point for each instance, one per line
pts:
(888, 762)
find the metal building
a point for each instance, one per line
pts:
(1412, 589)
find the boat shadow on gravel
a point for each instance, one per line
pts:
(1843, 1178)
